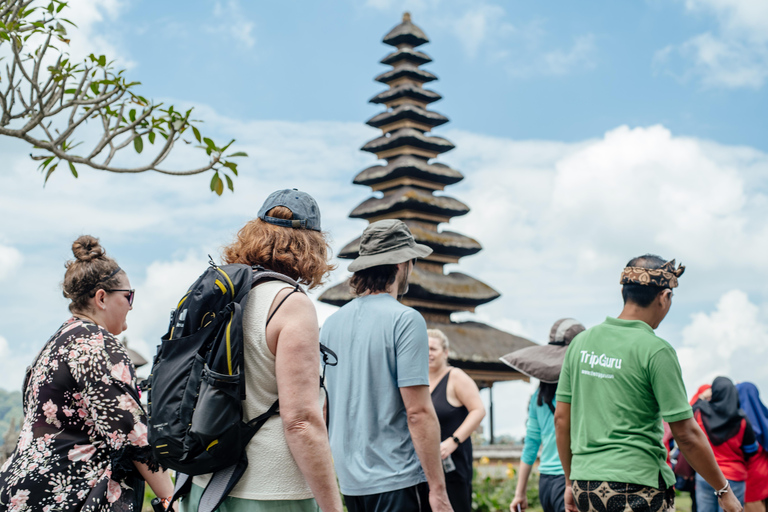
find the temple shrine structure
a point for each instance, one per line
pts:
(409, 187)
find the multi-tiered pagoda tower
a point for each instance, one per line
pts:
(408, 183)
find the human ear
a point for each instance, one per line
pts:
(100, 299)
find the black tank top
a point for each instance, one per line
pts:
(450, 419)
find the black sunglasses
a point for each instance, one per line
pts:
(131, 294)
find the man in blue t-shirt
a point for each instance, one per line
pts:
(384, 432)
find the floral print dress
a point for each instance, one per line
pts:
(83, 428)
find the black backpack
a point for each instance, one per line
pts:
(197, 385)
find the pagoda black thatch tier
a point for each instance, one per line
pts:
(406, 33)
(406, 71)
(408, 166)
(410, 112)
(445, 243)
(406, 54)
(406, 90)
(407, 182)
(410, 198)
(408, 137)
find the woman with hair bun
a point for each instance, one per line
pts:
(83, 442)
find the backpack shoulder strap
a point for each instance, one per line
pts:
(260, 273)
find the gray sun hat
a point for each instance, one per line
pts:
(387, 242)
(544, 362)
(306, 213)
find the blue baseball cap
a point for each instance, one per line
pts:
(306, 213)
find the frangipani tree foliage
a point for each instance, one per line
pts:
(46, 99)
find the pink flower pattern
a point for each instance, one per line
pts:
(96, 416)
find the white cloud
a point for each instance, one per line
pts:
(92, 34)
(233, 23)
(735, 56)
(10, 261)
(478, 24)
(732, 340)
(581, 55)
(747, 16)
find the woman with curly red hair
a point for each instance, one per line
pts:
(291, 466)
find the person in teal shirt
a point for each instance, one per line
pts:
(543, 363)
(617, 383)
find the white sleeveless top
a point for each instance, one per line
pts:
(272, 474)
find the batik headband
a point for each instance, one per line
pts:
(664, 277)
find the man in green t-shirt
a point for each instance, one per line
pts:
(619, 380)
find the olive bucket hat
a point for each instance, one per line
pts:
(387, 242)
(544, 362)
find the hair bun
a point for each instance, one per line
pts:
(87, 248)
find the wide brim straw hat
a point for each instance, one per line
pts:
(387, 242)
(543, 362)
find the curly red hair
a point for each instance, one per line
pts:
(301, 254)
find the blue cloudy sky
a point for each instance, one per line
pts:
(588, 133)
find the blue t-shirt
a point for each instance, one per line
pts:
(541, 431)
(382, 346)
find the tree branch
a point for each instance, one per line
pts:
(40, 109)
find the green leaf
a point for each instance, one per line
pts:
(70, 91)
(48, 174)
(209, 143)
(213, 181)
(95, 88)
(61, 6)
(239, 153)
(47, 161)
(232, 166)
(230, 185)
(197, 134)
(102, 60)
(151, 137)
(219, 185)
(132, 114)
(72, 168)
(138, 144)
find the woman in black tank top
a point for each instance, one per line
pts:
(459, 410)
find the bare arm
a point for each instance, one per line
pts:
(695, 448)
(521, 494)
(294, 331)
(160, 482)
(563, 436)
(425, 433)
(468, 395)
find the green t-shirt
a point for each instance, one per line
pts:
(621, 380)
